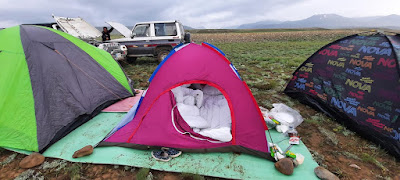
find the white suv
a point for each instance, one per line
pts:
(155, 39)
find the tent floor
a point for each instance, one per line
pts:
(226, 165)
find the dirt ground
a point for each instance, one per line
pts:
(332, 145)
(342, 148)
(62, 170)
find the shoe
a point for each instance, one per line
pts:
(171, 152)
(160, 156)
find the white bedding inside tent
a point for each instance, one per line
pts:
(205, 110)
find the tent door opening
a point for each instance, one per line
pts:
(202, 111)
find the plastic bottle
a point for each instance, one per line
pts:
(293, 136)
(292, 132)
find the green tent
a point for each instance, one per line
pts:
(50, 83)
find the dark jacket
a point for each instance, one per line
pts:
(107, 35)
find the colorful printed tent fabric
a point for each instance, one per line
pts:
(50, 84)
(154, 122)
(356, 80)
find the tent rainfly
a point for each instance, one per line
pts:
(356, 80)
(155, 122)
(50, 84)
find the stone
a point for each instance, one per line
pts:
(324, 174)
(87, 150)
(285, 166)
(32, 160)
(355, 166)
(397, 177)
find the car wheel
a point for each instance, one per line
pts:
(162, 54)
(131, 60)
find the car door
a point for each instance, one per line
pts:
(121, 29)
(139, 44)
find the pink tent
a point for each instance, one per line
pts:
(154, 122)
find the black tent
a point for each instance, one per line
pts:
(355, 80)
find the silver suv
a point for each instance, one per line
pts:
(155, 39)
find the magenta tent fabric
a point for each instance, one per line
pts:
(152, 125)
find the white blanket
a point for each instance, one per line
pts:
(206, 111)
(222, 134)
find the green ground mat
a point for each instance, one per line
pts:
(226, 165)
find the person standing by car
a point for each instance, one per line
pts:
(106, 34)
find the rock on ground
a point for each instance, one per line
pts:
(324, 174)
(285, 166)
(87, 150)
(32, 160)
(397, 177)
(355, 166)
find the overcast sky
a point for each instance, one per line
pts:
(194, 13)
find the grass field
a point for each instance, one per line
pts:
(266, 60)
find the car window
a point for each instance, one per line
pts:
(165, 29)
(142, 30)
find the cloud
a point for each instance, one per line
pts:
(195, 13)
(211, 14)
(217, 14)
(7, 23)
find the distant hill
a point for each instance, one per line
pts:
(330, 21)
(258, 25)
(187, 27)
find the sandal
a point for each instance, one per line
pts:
(171, 152)
(160, 156)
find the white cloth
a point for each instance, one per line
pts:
(182, 92)
(222, 134)
(216, 111)
(191, 114)
(206, 111)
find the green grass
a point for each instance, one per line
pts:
(74, 170)
(142, 173)
(350, 155)
(266, 64)
(330, 136)
(370, 158)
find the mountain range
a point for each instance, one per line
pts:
(329, 21)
